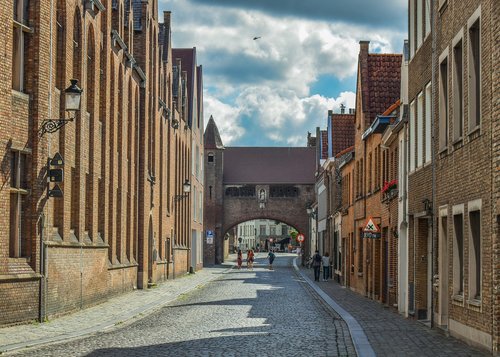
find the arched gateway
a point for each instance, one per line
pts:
(247, 183)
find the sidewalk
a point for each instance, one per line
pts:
(389, 333)
(113, 312)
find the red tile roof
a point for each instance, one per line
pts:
(324, 144)
(342, 131)
(381, 83)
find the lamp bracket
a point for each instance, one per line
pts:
(53, 125)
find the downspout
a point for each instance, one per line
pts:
(42, 304)
(433, 158)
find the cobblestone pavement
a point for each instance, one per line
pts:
(389, 333)
(242, 313)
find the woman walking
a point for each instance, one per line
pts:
(240, 258)
(271, 257)
(250, 258)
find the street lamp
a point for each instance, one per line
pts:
(73, 96)
(186, 188)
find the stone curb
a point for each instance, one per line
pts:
(360, 340)
(145, 310)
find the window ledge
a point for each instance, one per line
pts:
(474, 133)
(21, 95)
(474, 302)
(458, 143)
(458, 299)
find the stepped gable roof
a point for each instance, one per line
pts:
(211, 138)
(382, 85)
(188, 62)
(269, 165)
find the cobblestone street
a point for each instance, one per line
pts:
(252, 313)
(243, 313)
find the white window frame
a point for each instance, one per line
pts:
(454, 78)
(474, 206)
(419, 23)
(458, 210)
(472, 20)
(412, 27)
(428, 123)
(444, 109)
(412, 136)
(420, 129)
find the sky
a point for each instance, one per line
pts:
(272, 90)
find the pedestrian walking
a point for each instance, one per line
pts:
(326, 266)
(316, 264)
(250, 259)
(271, 257)
(240, 258)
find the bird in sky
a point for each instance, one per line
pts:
(256, 38)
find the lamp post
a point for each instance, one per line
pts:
(73, 96)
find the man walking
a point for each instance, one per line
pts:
(316, 265)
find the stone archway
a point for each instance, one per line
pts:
(247, 183)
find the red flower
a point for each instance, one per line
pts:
(389, 185)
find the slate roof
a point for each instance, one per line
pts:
(381, 86)
(269, 165)
(211, 138)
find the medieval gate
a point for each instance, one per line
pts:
(247, 183)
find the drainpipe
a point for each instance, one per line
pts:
(433, 158)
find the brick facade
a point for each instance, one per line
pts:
(116, 225)
(465, 175)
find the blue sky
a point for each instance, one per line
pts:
(273, 90)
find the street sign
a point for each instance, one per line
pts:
(210, 237)
(371, 229)
(300, 238)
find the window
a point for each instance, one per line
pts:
(412, 137)
(272, 230)
(284, 230)
(427, 17)
(262, 230)
(419, 23)
(420, 129)
(360, 251)
(18, 204)
(412, 27)
(20, 12)
(369, 172)
(443, 103)
(475, 251)
(474, 69)
(458, 254)
(210, 157)
(428, 118)
(458, 103)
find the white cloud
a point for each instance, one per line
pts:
(263, 87)
(226, 118)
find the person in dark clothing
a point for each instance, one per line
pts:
(316, 265)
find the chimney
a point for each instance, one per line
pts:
(352, 111)
(364, 46)
(166, 18)
(342, 108)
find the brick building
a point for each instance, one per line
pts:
(124, 157)
(378, 88)
(466, 301)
